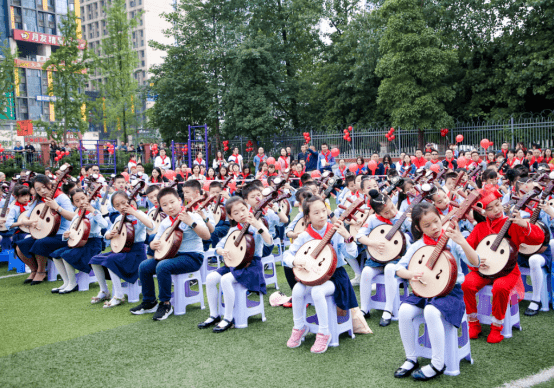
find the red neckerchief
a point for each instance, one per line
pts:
(236, 157)
(58, 192)
(173, 219)
(494, 226)
(381, 218)
(199, 160)
(133, 161)
(408, 199)
(154, 180)
(342, 171)
(244, 175)
(326, 155)
(360, 167)
(510, 164)
(449, 209)
(434, 162)
(272, 174)
(260, 156)
(86, 212)
(504, 153)
(284, 161)
(21, 206)
(163, 159)
(239, 226)
(210, 178)
(429, 241)
(308, 156)
(357, 194)
(421, 161)
(314, 234)
(538, 160)
(81, 178)
(450, 165)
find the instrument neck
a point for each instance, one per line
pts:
(501, 234)
(106, 195)
(535, 215)
(439, 248)
(324, 241)
(7, 201)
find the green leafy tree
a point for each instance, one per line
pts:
(414, 66)
(116, 64)
(7, 71)
(69, 76)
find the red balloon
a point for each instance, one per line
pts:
(348, 139)
(335, 152)
(56, 159)
(277, 165)
(270, 161)
(353, 167)
(484, 143)
(345, 131)
(436, 168)
(461, 161)
(459, 138)
(344, 137)
(490, 144)
(349, 128)
(372, 165)
(316, 173)
(393, 137)
(67, 153)
(58, 152)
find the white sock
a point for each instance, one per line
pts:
(435, 329)
(536, 262)
(212, 291)
(227, 282)
(116, 282)
(70, 275)
(391, 289)
(353, 262)
(298, 306)
(496, 321)
(61, 269)
(101, 277)
(319, 293)
(368, 274)
(406, 315)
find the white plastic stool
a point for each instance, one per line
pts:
(132, 291)
(337, 324)
(244, 307)
(183, 295)
(484, 311)
(378, 300)
(456, 347)
(270, 278)
(546, 287)
(206, 268)
(52, 271)
(279, 257)
(85, 279)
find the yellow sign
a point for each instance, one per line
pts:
(12, 17)
(16, 81)
(45, 5)
(133, 104)
(78, 16)
(50, 93)
(84, 112)
(104, 113)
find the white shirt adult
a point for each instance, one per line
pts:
(162, 161)
(236, 157)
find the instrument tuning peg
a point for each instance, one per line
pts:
(455, 204)
(342, 207)
(462, 193)
(516, 198)
(354, 218)
(479, 210)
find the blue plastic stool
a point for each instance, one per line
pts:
(15, 263)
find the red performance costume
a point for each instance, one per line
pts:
(501, 287)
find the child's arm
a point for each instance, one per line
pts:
(456, 236)
(259, 225)
(63, 207)
(144, 219)
(201, 229)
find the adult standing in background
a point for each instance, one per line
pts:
(236, 157)
(325, 160)
(30, 151)
(18, 149)
(259, 158)
(309, 156)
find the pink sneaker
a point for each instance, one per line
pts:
(321, 343)
(297, 337)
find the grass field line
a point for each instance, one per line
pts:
(11, 275)
(532, 380)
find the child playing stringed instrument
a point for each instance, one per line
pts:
(338, 285)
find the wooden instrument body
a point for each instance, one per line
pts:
(284, 205)
(361, 217)
(299, 227)
(8, 197)
(436, 282)
(47, 226)
(157, 217)
(242, 254)
(219, 213)
(318, 270)
(23, 217)
(500, 262)
(394, 248)
(78, 235)
(122, 242)
(171, 241)
(528, 250)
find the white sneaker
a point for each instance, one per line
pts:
(356, 280)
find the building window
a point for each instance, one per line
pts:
(142, 63)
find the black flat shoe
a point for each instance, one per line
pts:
(384, 322)
(206, 324)
(28, 281)
(419, 376)
(75, 289)
(367, 315)
(218, 329)
(403, 373)
(38, 282)
(533, 312)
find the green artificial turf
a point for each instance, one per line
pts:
(62, 341)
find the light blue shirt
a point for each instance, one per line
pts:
(13, 215)
(294, 221)
(259, 242)
(272, 221)
(454, 248)
(140, 229)
(191, 242)
(343, 250)
(331, 162)
(372, 222)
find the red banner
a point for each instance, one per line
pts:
(35, 139)
(24, 127)
(39, 37)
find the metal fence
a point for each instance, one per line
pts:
(96, 152)
(21, 159)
